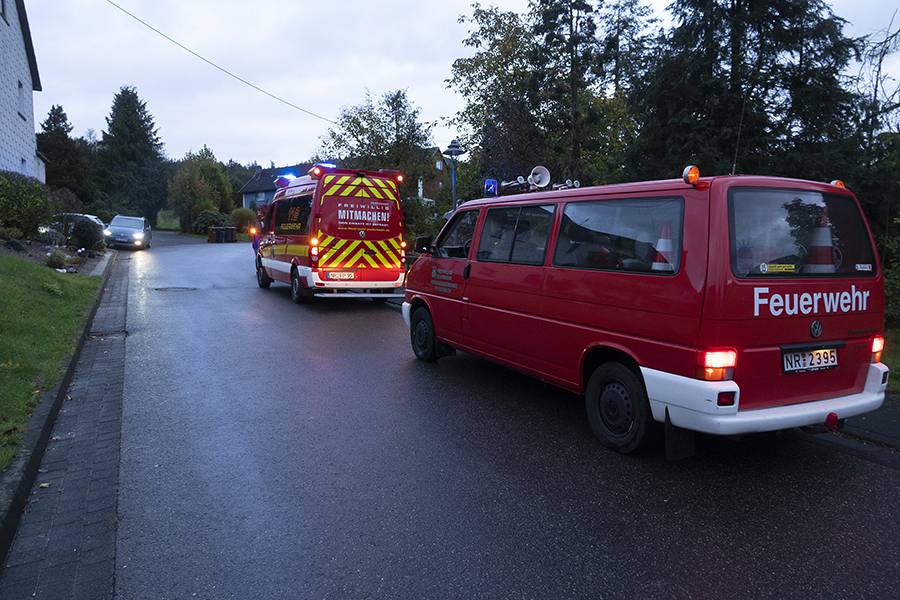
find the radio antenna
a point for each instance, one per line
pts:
(738, 144)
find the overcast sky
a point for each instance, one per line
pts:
(318, 55)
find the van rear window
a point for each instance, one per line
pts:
(639, 235)
(797, 233)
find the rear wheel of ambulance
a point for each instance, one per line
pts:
(298, 294)
(263, 281)
(421, 334)
(617, 408)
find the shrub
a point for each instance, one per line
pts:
(87, 234)
(242, 218)
(51, 238)
(23, 203)
(209, 218)
(57, 259)
(11, 232)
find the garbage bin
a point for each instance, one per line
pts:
(231, 234)
(212, 234)
(220, 234)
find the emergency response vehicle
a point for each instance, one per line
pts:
(331, 231)
(726, 305)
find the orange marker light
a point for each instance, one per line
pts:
(691, 175)
(838, 183)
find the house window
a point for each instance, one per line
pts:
(439, 165)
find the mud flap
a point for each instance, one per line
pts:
(679, 442)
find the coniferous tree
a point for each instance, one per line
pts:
(564, 61)
(67, 160)
(754, 85)
(131, 159)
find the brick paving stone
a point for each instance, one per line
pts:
(65, 542)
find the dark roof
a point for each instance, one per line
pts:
(264, 181)
(29, 46)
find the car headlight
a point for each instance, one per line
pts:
(139, 235)
(107, 232)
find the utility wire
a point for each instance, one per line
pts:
(244, 81)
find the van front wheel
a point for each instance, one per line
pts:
(261, 279)
(421, 333)
(617, 408)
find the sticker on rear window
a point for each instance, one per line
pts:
(863, 267)
(765, 268)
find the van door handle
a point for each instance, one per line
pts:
(467, 270)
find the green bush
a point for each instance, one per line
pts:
(242, 218)
(210, 218)
(87, 234)
(12, 232)
(57, 259)
(50, 238)
(23, 203)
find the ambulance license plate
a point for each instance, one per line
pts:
(809, 360)
(341, 275)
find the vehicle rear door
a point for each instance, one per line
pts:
(801, 295)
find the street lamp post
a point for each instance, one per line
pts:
(453, 151)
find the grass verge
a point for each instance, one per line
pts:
(40, 315)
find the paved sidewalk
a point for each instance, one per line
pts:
(66, 540)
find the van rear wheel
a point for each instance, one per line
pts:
(421, 333)
(298, 294)
(617, 408)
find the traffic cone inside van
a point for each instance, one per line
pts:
(820, 258)
(663, 259)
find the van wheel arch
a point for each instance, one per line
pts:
(598, 356)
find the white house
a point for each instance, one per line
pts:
(19, 79)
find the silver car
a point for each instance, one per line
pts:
(133, 232)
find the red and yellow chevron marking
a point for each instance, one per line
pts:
(335, 253)
(351, 186)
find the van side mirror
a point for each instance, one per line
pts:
(423, 244)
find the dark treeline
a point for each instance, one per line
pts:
(602, 92)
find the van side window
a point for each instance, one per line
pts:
(638, 235)
(457, 236)
(516, 234)
(270, 213)
(292, 216)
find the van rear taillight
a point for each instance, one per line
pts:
(877, 348)
(716, 365)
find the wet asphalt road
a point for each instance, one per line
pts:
(271, 450)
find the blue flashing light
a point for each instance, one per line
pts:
(490, 188)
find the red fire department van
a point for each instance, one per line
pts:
(331, 231)
(726, 305)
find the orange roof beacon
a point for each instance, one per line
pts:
(726, 305)
(333, 231)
